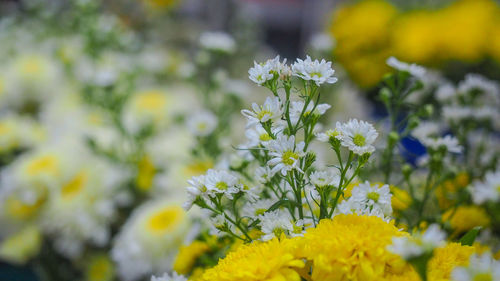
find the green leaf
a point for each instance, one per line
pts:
(470, 236)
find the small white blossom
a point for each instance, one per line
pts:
(486, 190)
(328, 135)
(318, 71)
(271, 110)
(196, 187)
(415, 70)
(257, 208)
(478, 82)
(285, 154)
(322, 42)
(325, 178)
(357, 136)
(260, 73)
(480, 268)
(202, 123)
(456, 113)
(218, 41)
(275, 223)
(296, 108)
(418, 244)
(220, 181)
(169, 277)
(257, 135)
(263, 174)
(373, 196)
(449, 142)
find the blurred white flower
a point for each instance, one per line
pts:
(448, 142)
(415, 70)
(297, 107)
(202, 123)
(480, 268)
(418, 244)
(149, 240)
(325, 178)
(218, 41)
(275, 223)
(373, 196)
(486, 190)
(169, 277)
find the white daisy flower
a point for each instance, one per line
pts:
(357, 136)
(196, 187)
(325, 178)
(260, 73)
(274, 224)
(271, 110)
(416, 245)
(220, 181)
(483, 267)
(169, 277)
(486, 190)
(263, 174)
(257, 208)
(328, 134)
(296, 108)
(348, 207)
(257, 135)
(415, 70)
(373, 196)
(218, 41)
(202, 123)
(285, 154)
(449, 142)
(319, 72)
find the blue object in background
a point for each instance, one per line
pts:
(16, 273)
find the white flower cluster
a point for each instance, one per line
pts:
(289, 191)
(481, 267)
(487, 190)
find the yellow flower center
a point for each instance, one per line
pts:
(74, 186)
(151, 100)
(165, 219)
(32, 66)
(278, 231)
(359, 140)
(264, 137)
(221, 185)
(317, 74)
(100, 269)
(373, 196)
(44, 164)
(289, 157)
(263, 113)
(483, 277)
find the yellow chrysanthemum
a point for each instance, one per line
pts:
(446, 258)
(351, 247)
(465, 218)
(100, 268)
(273, 260)
(187, 256)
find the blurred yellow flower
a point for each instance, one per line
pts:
(464, 218)
(446, 192)
(187, 256)
(401, 199)
(446, 258)
(100, 268)
(21, 246)
(368, 32)
(145, 173)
